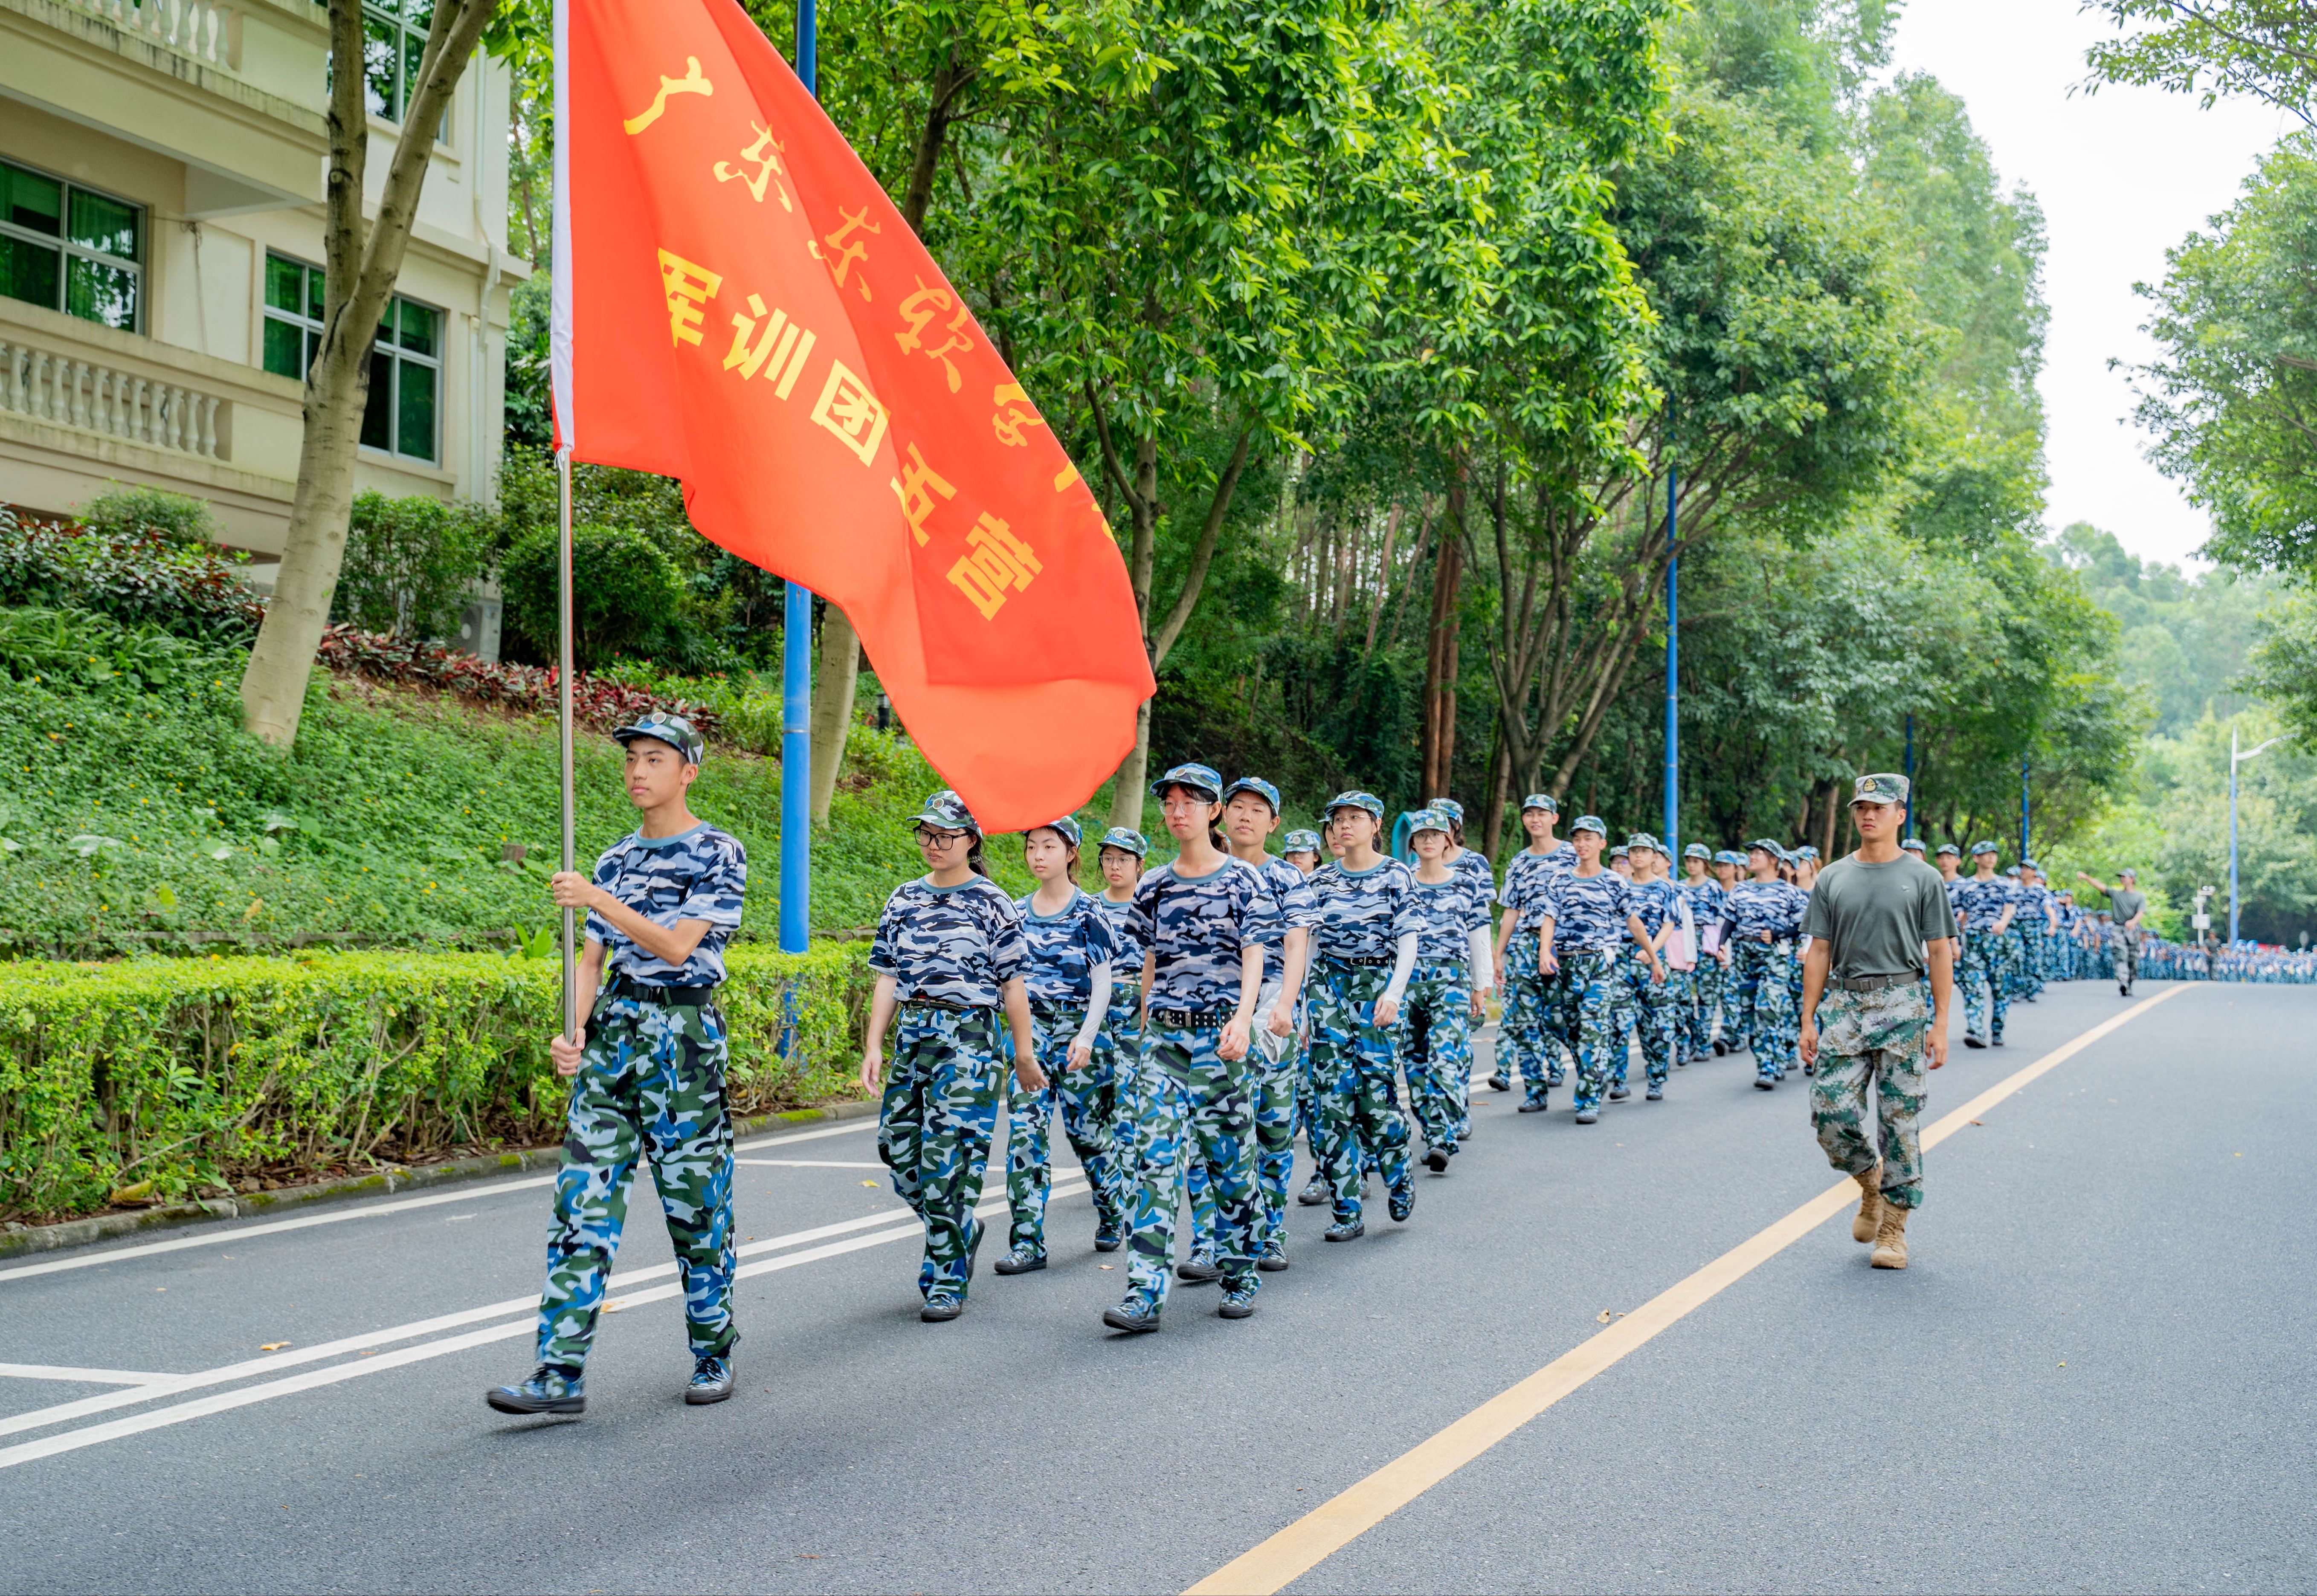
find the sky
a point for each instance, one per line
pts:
(2121, 176)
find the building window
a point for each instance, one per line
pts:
(394, 47)
(405, 361)
(70, 248)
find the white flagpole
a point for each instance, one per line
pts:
(563, 717)
(560, 345)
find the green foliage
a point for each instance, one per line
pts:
(626, 596)
(2211, 48)
(196, 1074)
(122, 512)
(139, 575)
(530, 403)
(2231, 402)
(2185, 638)
(410, 563)
(2282, 667)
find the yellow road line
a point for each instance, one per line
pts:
(1334, 1524)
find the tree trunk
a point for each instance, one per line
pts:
(1500, 793)
(834, 681)
(1133, 775)
(360, 264)
(1833, 819)
(1384, 577)
(1440, 658)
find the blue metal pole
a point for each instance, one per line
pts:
(796, 666)
(2232, 838)
(2023, 806)
(1672, 668)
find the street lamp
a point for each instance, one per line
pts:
(2236, 759)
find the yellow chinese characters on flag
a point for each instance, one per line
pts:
(738, 304)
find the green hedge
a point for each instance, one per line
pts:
(163, 1079)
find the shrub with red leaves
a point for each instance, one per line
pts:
(595, 702)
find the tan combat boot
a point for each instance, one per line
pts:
(1891, 1239)
(1864, 1224)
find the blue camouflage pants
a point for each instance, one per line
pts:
(1353, 1064)
(1654, 1007)
(1762, 1006)
(1087, 1099)
(934, 1131)
(1588, 1013)
(1188, 1104)
(1524, 1048)
(2032, 971)
(1982, 978)
(1435, 1050)
(1278, 1086)
(651, 1084)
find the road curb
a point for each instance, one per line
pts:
(387, 1179)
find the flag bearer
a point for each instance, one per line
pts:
(1202, 920)
(1363, 950)
(1072, 950)
(647, 1076)
(1447, 991)
(949, 958)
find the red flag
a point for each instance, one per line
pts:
(738, 305)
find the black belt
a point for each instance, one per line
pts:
(1193, 1019)
(949, 1008)
(1364, 964)
(680, 997)
(1052, 1009)
(1872, 982)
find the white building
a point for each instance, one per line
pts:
(161, 184)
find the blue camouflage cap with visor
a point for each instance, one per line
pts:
(1202, 778)
(1448, 807)
(1948, 848)
(1766, 845)
(1912, 844)
(2029, 864)
(1541, 800)
(1357, 800)
(1434, 818)
(1620, 852)
(1730, 856)
(1699, 850)
(1257, 786)
(1641, 839)
(945, 811)
(1066, 827)
(1302, 841)
(1127, 840)
(1805, 851)
(1982, 847)
(674, 730)
(1591, 822)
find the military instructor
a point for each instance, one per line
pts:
(1877, 919)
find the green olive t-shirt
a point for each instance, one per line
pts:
(1874, 918)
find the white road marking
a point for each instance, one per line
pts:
(225, 1400)
(803, 1164)
(86, 1377)
(308, 1221)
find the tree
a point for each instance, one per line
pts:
(2263, 48)
(361, 261)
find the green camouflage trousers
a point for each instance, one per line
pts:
(1982, 978)
(1354, 1071)
(1872, 1038)
(1087, 1100)
(933, 1128)
(1435, 1050)
(652, 1083)
(1186, 1104)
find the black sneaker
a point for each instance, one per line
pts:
(1654, 1094)
(1972, 1041)
(941, 1308)
(1720, 1048)
(1344, 1230)
(1107, 1239)
(1499, 1081)
(1765, 1084)
(1619, 1094)
(1131, 1317)
(1021, 1262)
(548, 1391)
(1197, 1271)
(712, 1380)
(1402, 1200)
(1436, 1161)
(1534, 1105)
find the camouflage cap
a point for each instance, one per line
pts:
(1730, 856)
(1641, 839)
(1257, 786)
(1882, 788)
(947, 811)
(1948, 848)
(1765, 846)
(1302, 841)
(1198, 778)
(1434, 818)
(1912, 844)
(1127, 840)
(1698, 850)
(1356, 800)
(1541, 800)
(2029, 864)
(2011, 870)
(1620, 852)
(2127, 871)
(674, 730)
(1450, 807)
(1805, 851)
(1067, 826)
(1591, 822)
(1982, 847)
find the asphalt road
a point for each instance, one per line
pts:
(2097, 1374)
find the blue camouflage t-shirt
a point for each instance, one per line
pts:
(1065, 946)
(1198, 925)
(1654, 902)
(1706, 900)
(699, 874)
(1979, 904)
(1753, 907)
(1361, 914)
(1446, 913)
(1588, 911)
(1291, 890)
(950, 944)
(1474, 863)
(2033, 901)
(1529, 879)
(1126, 966)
